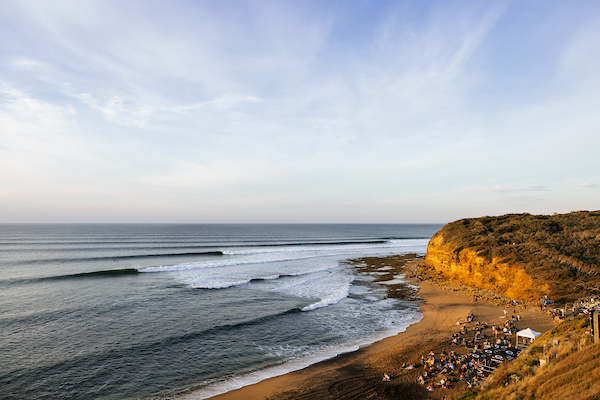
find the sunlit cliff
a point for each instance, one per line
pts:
(522, 256)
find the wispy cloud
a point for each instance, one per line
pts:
(27, 64)
(394, 103)
(526, 188)
(117, 110)
(224, 102)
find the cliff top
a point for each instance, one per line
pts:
(561, 251)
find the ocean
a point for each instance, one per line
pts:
(149, 311)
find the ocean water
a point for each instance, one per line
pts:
(153, 311)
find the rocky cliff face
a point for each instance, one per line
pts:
(464, 265)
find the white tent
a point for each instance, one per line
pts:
(527, 336)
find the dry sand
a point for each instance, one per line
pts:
(358, 375)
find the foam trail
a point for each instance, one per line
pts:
(350, 246)
(215, 389)
(217, 264)
(289, 253)
(333, 298)
(221, 285)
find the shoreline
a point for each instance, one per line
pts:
(358, 374)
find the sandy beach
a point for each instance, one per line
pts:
(358, 375)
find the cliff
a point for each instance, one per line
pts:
(522, 256)
(468, 267)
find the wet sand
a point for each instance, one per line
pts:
(358, 375)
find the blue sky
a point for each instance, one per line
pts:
(297, 111)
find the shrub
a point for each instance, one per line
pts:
(468, 394)
(533, 362)
(535, 349)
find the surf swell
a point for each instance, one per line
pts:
(197, 243)
(260, 255)
(111, 273)
(332, 298)
(124, 257)
(226, 263)
(213, 388)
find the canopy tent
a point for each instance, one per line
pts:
(526, 336)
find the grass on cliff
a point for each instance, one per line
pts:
(562, 251)
(571, 370)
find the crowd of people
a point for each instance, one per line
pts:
(581, 306)
(445, 369)
(479, 349)
(587, 303)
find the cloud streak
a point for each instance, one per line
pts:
(529, 188)
(197, 112)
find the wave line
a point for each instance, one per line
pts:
(128, 257)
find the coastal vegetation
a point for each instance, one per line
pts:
(522, 256)
(527, 258)
(561, 364)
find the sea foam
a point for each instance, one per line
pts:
(311, 356)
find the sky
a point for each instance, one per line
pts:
(297, 111)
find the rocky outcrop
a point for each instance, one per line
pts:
(464, 265)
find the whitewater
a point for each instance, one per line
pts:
(157, 311)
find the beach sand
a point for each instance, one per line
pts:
(358, 375)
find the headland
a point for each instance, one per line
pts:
(481, 277)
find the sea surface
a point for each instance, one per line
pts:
(152, 311)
